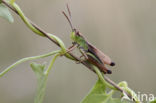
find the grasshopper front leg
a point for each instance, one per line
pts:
(71, 48)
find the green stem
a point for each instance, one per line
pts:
(102, 78)
(41, 88)
(27, 59)
(30, 26)
(43, 81)
(24, 18)
(12, 1)
(51, 64)
(61, 44)
(13, 6)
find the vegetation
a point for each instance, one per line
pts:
(102, 91)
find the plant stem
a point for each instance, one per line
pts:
(41, 88)
(42, 81)
(102, 78)
(51, 64)
(27, 59)
(72, 55)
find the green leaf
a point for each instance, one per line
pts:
(124, 86)
(153, 101)
(98, 94)
(4, 13)
(38, 69)
(41, 81)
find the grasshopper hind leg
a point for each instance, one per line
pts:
(109, 71)
(82, 51)
(105, 70)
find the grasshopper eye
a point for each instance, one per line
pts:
(112, 64)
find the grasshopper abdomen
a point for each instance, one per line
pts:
(103, 58)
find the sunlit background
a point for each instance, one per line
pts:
(123, 29)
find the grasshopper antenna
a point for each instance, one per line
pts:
(69, 19)
(69, 10)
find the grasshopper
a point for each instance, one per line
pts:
(92, 54)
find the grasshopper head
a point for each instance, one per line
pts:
(73, 36)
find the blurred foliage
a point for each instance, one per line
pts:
(4, 12)
(98, 94)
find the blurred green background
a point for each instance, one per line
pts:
(123, 29)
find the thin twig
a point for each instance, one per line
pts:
(85, 63)
(117, 87)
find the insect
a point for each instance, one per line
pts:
(90, 52)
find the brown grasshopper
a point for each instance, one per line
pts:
(90, 52)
